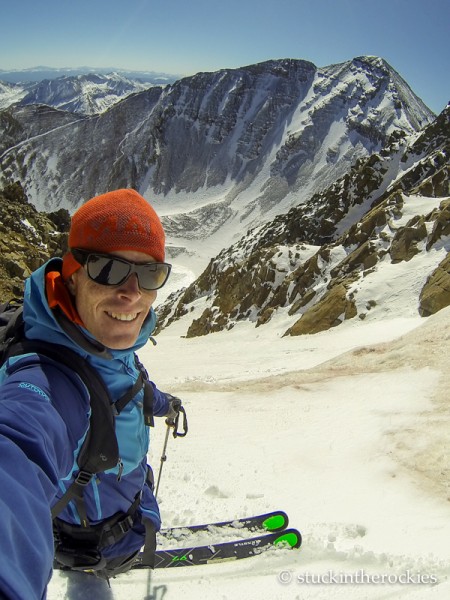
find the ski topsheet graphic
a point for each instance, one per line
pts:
(225, 551)
(269, 522)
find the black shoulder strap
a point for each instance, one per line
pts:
(141, 382)
(120, 404)
(148, 393)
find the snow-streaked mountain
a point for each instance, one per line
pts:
(339, 255)
(84, 94)
(87, 94)
(219, 152)
(11, 93)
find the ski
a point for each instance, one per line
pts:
(224, 551)
(270, 522)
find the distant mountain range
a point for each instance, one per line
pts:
(84, 93)
(37, 74)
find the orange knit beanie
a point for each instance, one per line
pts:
(118, 220)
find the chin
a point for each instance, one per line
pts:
(119, 343)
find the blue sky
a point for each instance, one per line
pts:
(187, 36)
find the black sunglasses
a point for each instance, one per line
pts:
(107, 269)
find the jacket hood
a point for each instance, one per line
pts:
(44, 323)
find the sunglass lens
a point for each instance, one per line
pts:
(153, 276)
(107, 271)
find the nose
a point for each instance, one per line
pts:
(130, 287)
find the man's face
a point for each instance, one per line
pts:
(113, 314)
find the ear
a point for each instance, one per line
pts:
(71, 283)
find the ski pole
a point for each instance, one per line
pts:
(171, 423)
(163, 459)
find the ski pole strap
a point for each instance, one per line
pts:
(175, 423)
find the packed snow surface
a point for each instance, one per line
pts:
(346, 430)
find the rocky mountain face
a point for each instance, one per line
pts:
(27, 239)
(85, 94)
(217, 151)
(61, 157)
(332, 258)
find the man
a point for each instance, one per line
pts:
(96, 302)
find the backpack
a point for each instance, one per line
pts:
(99, 451)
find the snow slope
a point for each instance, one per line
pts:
(346, 430)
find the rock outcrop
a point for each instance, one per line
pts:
(27, 239)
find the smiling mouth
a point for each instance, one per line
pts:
(122, 316)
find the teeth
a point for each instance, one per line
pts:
(123, 316)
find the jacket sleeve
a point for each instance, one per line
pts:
(35, 451)
(160, 402)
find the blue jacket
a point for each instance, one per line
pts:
(44, 418)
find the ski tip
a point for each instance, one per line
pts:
(289, 537)
(276, 521)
